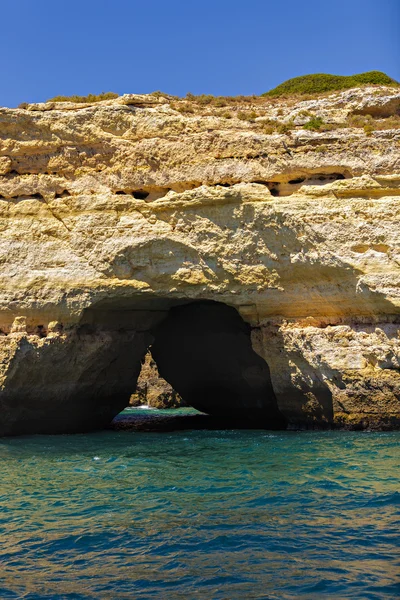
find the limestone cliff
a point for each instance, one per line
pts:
(116, 213)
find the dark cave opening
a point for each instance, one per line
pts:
(140, 194)
(288, 187)
(203, 349)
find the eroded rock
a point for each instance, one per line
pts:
(152, 390)
(113, 214)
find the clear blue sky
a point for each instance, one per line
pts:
(225, 47)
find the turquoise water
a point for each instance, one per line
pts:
(200, 514)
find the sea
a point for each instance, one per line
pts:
(200, 514)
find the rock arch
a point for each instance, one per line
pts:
(203, 349)
(79, 378)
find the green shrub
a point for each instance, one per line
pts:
(323, 82)
(203, 99)
(184, 108)
(268, 126)
(285, 127)
(159, 94)
(269, 129)
(247, 116)
(220, 101)
(356, 121)
(370, 124)
(392, 122)
(314, 124)
(85, 99)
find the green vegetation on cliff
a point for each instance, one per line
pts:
(89, 98)
(319, 83)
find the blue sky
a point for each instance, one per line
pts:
(225, 47)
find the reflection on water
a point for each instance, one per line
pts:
(200, 514)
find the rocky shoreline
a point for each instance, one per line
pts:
(164, 420)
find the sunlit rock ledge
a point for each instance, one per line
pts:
(262, 268)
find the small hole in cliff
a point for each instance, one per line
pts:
(328, 177)
(273, 187)
(120, 193)
(299, 180)
(37, 196)
(40, 331)
(289, 187)
(140, 195)
(63, 194)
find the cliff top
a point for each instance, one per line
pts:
(312, 85)
(319, 83)
(372, 108)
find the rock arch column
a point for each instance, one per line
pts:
(72, 382)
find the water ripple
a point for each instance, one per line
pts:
(200, 514)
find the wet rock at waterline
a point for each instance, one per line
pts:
(116, 217)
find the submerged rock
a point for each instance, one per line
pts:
(115, 215)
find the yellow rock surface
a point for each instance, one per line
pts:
(132, 206)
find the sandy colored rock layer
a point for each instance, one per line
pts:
(152, 390)
(113, 213)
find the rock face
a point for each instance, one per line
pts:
(152, 390)
(113, 216)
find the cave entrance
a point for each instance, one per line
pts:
(203, 349)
